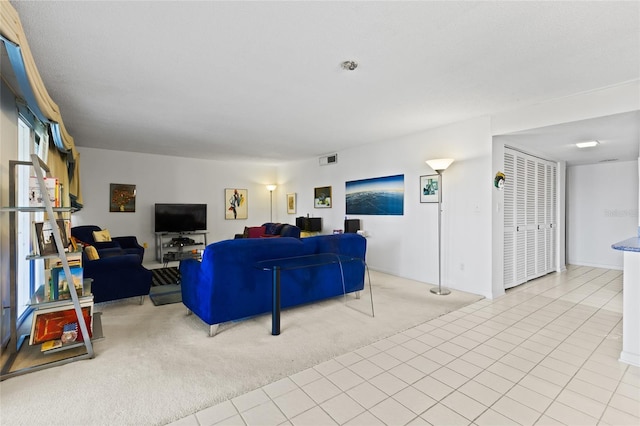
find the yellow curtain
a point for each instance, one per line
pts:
(11, 29)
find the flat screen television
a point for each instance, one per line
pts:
(180, 217)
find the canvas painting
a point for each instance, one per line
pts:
(377, 196)
(122, 198)
(236, 202)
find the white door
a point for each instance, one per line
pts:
(529, 217)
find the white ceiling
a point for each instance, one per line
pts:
(262, 80)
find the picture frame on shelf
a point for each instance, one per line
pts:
(236, 201)
(48, 324)
(44, 242)
(322, 197)
(429, 188)
(291, 203)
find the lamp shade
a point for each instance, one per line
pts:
(439, 164)
(271, 187)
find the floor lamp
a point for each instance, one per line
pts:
(271, 188)
(440, 165)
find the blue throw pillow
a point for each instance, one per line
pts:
(273, 228)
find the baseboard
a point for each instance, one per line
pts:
(595, 265)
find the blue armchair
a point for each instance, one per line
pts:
(128, 244)
(118, 273)
(117, 277)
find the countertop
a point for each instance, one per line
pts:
(630, 244)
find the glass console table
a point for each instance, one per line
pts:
(276, 266)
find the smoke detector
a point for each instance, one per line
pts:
(349, 65)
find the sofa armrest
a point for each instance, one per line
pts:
(127, 242)
(290, 231)
(196, 286)
(130, 245)
(117, 261)
(106, 245)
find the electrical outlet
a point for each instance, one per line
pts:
(145, 245)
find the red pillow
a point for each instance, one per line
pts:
(256, 231)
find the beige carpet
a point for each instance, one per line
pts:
(157, 365)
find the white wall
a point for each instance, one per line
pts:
(407, 245)
(164, 179)
(602, 209)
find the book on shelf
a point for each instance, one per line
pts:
(50, 344)
(52, 268)
(53, 190)
(48, 324)
(44, 242)
(60, 282)
(74, 258)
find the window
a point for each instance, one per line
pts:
(28, 273)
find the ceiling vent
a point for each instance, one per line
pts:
(329, 159)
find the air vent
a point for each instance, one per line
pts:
(329, 159)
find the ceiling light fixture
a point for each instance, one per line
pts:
(349, 65)
(589, 144)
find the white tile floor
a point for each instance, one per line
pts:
(544, 354)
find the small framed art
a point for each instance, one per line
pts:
(236, 203)
(322, 197)
(122, 197)
(291, 203)
(429, 188)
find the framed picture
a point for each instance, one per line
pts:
(236, 204)
(429, 188)
(48, 324)
(46, 244)
(122, 198)
(376, 196)
(291, 203)
(322, 197)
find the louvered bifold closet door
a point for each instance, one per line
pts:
(551, 228)
(529, 217)
(541, 220)
(530, 213)
(521, 219)
(509, 265)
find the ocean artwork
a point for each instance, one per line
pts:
(377, 196)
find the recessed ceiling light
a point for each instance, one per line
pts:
(589, 144)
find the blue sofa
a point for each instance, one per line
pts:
(227, 286)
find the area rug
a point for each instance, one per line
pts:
(165, 294)
(165, 276)
(157, 364)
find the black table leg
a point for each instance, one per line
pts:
(275, 310)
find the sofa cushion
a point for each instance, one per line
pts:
(91, 252)
(101, 236)
(256, 231)
(273, 228)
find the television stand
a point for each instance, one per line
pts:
(175, 246)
